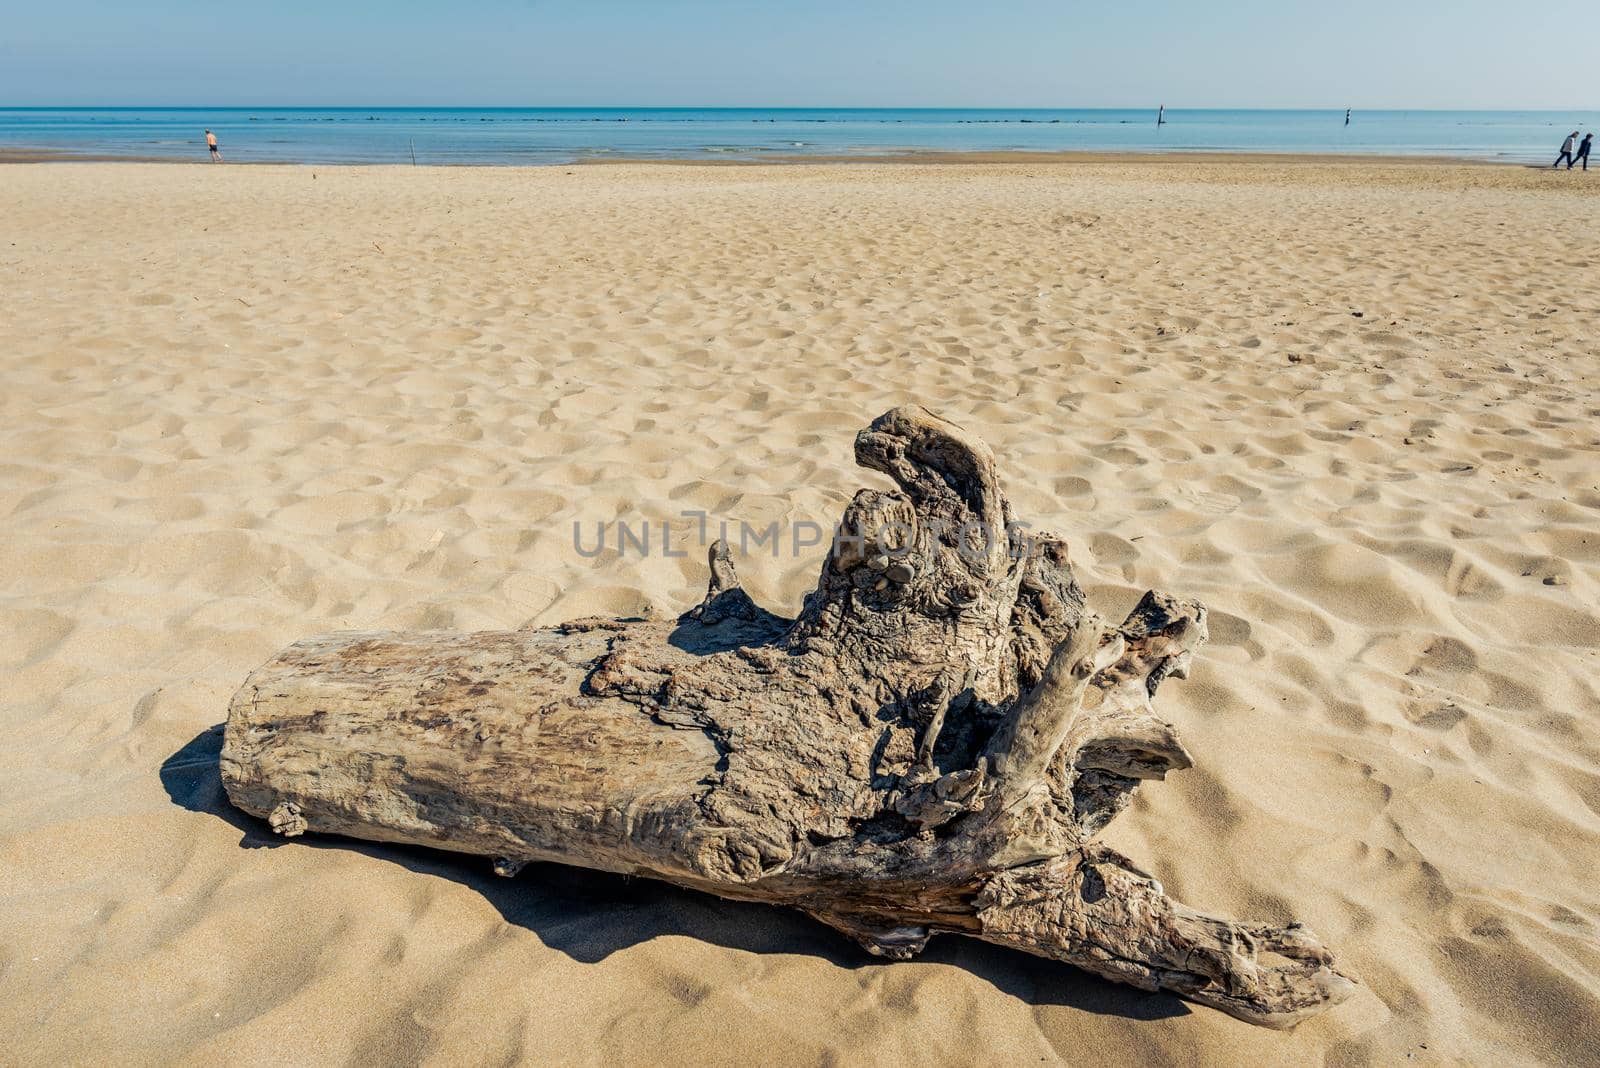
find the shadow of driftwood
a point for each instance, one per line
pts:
(730, 632)
(590, 915)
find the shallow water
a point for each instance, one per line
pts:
(564, 135)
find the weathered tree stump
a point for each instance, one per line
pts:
(930, 746)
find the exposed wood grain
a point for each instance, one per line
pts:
(929, 747)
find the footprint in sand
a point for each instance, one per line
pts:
(1209, 501)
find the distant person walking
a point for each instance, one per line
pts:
(1347, 116)
(1583, 152)
(211, 143)
(1566, 150)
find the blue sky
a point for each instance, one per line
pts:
(1004, 53)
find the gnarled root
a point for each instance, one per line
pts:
(1092, 909)
(930, 746)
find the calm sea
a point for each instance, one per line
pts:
(562, 135)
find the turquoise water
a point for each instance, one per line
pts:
(562, 135)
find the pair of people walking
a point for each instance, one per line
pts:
(1574, 152)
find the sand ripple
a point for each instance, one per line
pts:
(1350, 406)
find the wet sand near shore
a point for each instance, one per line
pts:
(911, 157)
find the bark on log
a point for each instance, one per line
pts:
(929, 747)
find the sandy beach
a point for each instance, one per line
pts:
(1350, 405)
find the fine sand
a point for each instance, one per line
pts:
(1351, 406)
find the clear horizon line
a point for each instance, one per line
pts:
(786, 107)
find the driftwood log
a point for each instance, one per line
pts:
(929, 747)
